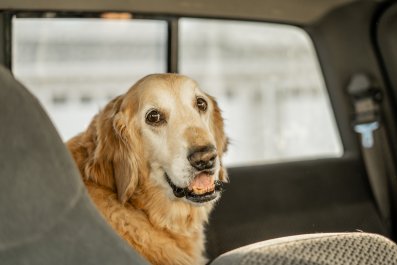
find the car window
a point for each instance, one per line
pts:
(266, 77)
(76, 65)
(267, 80)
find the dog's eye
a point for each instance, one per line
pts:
(154, 117)
(201, 104)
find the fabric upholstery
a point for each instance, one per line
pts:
(316, 249)
(46, 216)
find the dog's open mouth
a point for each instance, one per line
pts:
(203, 188)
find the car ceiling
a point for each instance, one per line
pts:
(300, 12)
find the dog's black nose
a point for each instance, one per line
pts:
(202, 157)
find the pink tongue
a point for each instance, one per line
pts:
(202, 181)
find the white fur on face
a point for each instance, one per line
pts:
(166, 145)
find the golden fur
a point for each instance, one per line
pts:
(122, 167)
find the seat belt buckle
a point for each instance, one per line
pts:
(366, 98)
(366, 130)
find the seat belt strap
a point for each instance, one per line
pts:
(366, 98)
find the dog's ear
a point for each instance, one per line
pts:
(128, 165)
(117, 161)
(221, 139)
(217, 127)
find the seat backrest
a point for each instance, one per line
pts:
(46, 216)
(316, 249)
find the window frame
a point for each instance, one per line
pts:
(172, 49)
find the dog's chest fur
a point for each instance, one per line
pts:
(162, 234)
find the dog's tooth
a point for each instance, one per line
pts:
(199, 191)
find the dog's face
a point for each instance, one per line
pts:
(176, 132)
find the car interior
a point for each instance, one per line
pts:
(296, 209)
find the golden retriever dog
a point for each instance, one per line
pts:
(152, 163)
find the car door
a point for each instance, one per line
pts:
(337, 193)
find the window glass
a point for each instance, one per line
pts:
(76, 65)
(268, 83)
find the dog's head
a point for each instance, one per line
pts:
(165, 130)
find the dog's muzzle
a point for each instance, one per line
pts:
(190, 195)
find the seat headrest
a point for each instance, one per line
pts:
(33, 161)
(46, 214)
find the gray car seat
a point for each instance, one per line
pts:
(46, 216)
(316, 249)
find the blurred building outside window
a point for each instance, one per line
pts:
(267, 80)
(265, 77)
(75, 66)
